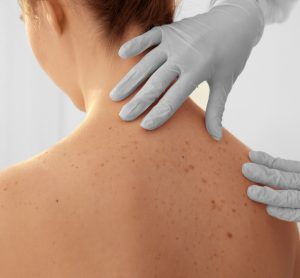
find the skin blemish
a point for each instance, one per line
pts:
(204, 180)
(229, 235)
(110, 128)
(210, 157)
(56, 200)
(182, 156)
(5, 188)
(192, 167)
(214, 205)
(245, 204)
(233, 210)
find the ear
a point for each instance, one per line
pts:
(55, 16)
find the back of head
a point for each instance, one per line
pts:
(113, 17)
(76, 41)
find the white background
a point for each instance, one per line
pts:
(262, 110)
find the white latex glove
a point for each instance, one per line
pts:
(276, 11)
(283, 174)
(213, 46)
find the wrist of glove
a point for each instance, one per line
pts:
(276, 11)
(283, 200)
(249, 10)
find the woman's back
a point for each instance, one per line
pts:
(132, 203)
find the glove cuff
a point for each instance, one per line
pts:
(276, 11)
(251, 9)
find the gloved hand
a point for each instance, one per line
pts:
(283, 174)
(213, 46)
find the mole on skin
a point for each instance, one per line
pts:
(229, 235)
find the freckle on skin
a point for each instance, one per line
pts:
(56, 201)
(233, 210)
(245, 204)
(191, 167)
(204, 180)
(182, 156)
(213, 204)
(229, 235)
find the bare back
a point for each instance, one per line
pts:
(133, 203)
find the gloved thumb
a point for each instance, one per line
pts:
(215, 109)
(139, 44)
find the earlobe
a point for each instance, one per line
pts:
(54, 16)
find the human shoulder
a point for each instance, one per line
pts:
(18, 178)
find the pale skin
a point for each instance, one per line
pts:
(115, 200)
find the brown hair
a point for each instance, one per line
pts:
(115, 16)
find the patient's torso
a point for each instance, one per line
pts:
(166, 204)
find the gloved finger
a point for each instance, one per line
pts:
(154, 87)
(138, 74)
(214, 111)
(286, 214)
(279, 198)
(276, 163)
(169, 103)
(273, 177)
(139, 44)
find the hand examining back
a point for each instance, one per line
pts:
(212, 47)
(284, 201)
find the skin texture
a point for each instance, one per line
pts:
(114, 200)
